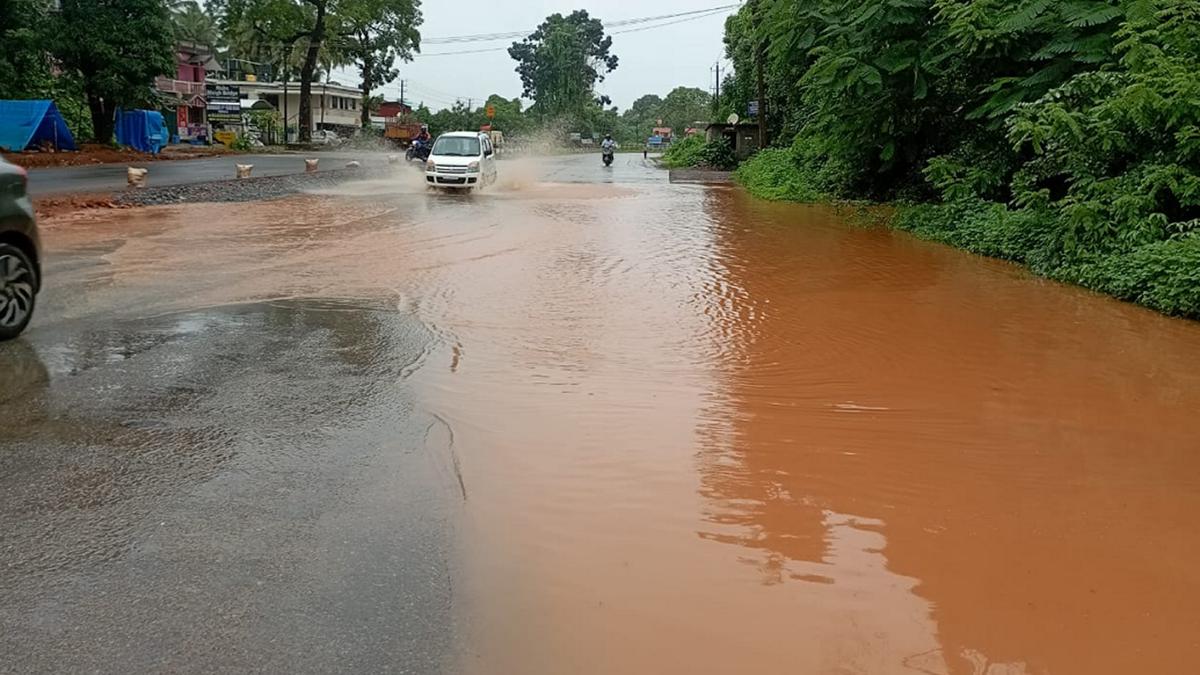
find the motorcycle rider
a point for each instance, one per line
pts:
(608, 145)
(421, 144)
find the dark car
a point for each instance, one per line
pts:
(20, 273)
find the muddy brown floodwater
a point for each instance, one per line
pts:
(698, 433)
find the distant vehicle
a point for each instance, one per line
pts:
(20, 274)
(497, 137)
(326, 137)
(401, 133)
(461, 160)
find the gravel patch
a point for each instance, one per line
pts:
(244, 189)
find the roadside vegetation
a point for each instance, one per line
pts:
(1061, 135)
(695, 152)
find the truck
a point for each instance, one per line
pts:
(401, 131)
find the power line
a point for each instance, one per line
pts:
(704, 14)
(670, 23)
(490, 37)
(469, 51)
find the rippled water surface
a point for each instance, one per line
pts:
(699, 433)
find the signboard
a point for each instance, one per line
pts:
(491, 112)
(225, 137)
(752, 108)
(224, 103)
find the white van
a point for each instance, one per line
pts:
(461, 160)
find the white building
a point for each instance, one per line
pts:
(334, 106)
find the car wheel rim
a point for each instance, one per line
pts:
(16, 291)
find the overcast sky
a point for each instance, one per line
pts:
(652, 61)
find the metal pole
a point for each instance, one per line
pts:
(717, 100)
(760, 57)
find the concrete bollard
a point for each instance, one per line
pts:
(243, 170)
(310, 165)
(352, 164)
(136, 177)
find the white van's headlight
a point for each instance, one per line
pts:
(473, 166)
(430, 165)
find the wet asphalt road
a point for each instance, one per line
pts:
(242, 487)
(212, 462)
(232, 489)
(109, 177)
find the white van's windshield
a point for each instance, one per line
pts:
(456, 146)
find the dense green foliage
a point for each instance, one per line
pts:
(561, 62)
(375, 34)
(694, 151)
(90, 57)
(114, 49)
(1064, 135)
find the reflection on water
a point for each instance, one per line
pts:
(1024, 452)
(703, 433)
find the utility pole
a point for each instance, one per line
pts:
(760, 55)
(401, 93)
(717, 96)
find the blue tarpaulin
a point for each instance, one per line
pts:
(31, 123)
(142, 130)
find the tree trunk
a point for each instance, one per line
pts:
(306, 73)
(367, 69)
(102, 118)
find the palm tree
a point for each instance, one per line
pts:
(194, 24)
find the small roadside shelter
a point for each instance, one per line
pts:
(25, 124)
(743, 138)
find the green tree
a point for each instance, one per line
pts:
(115, 49)
(684, 107)
(373, 34)
(562, 61)
(510, 115)
(24, 60)
(195, 24)
(291, 32)
(643, 115)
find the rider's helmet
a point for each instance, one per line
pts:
(608, 137)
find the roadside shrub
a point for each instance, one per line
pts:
(684, 153)
(695, 152)
(1163, 275)
(775, 174)
(241, 143)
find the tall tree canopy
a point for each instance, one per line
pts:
(115, 49)
(561, 62)
(374, 34)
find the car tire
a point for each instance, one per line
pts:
(18, 291)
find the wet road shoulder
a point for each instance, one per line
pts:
(241, 488)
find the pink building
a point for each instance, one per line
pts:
(186, 90)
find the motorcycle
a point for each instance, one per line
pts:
(419, 150)
(607, 156)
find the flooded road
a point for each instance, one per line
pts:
(588, 422)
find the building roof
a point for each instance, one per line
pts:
(273, 87)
